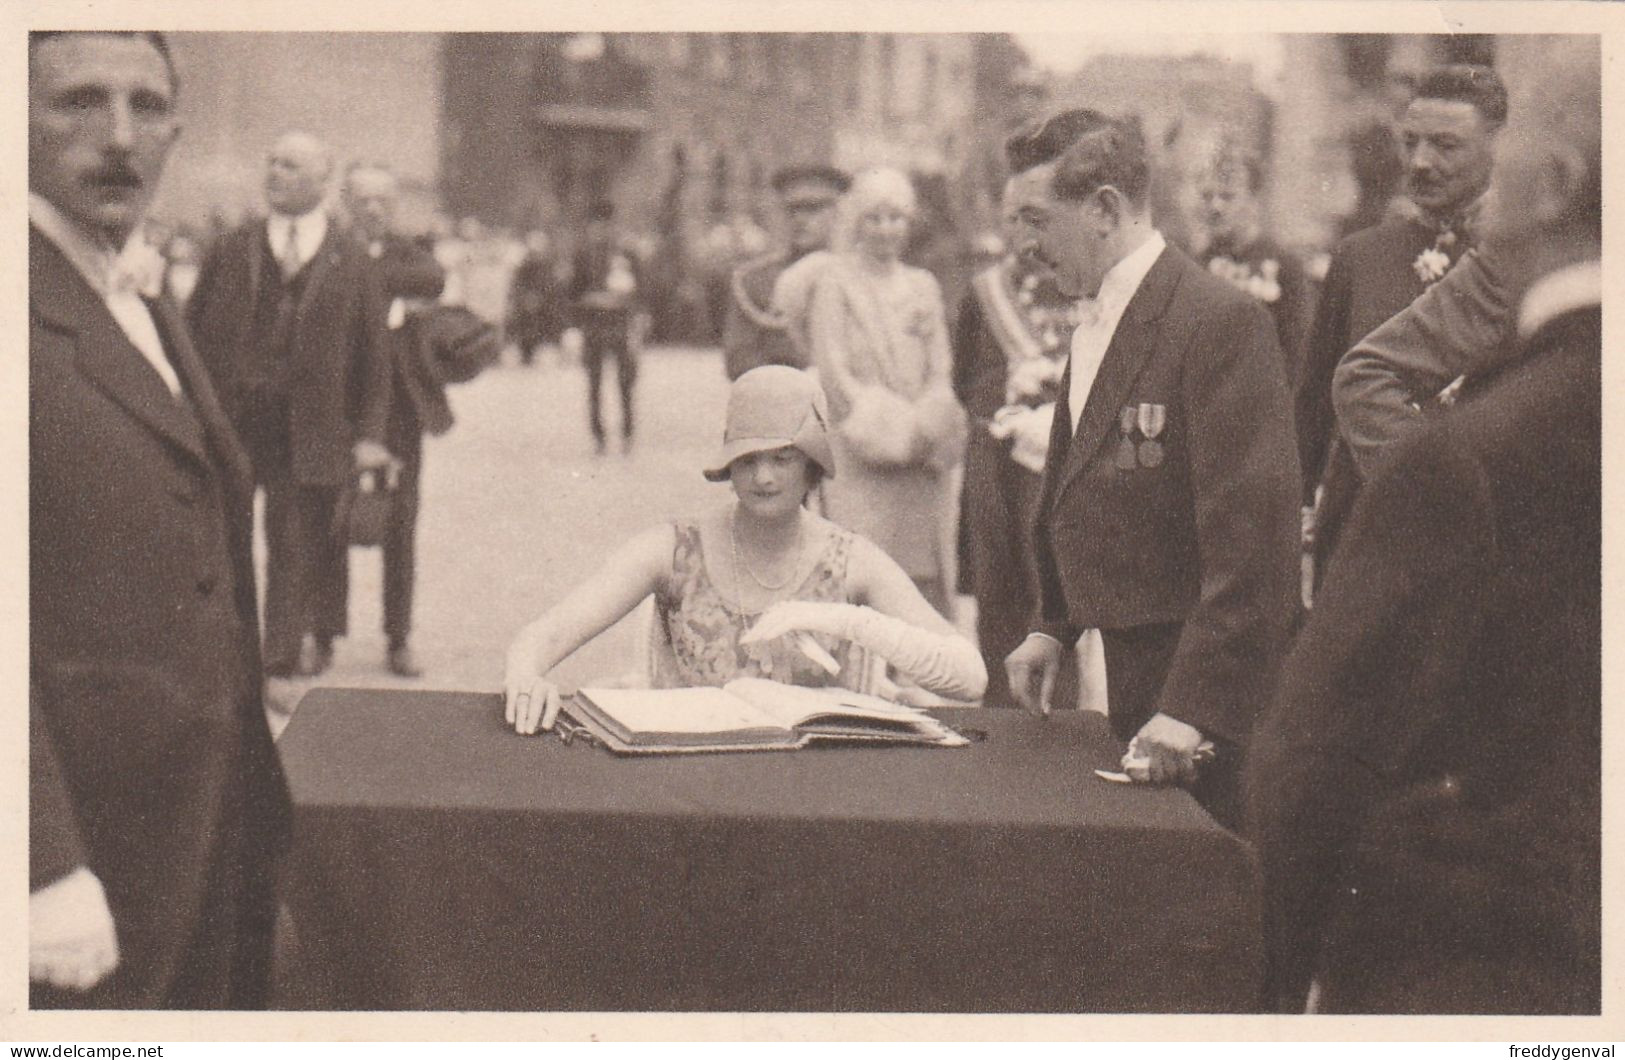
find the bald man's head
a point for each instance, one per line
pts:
(369, 195)
(296, 174)
(1546, 191)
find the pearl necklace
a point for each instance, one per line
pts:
(733, 537)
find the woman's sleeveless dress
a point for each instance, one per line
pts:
(696, 629)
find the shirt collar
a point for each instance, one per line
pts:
(90, 257)
(311, 228)
(1125, 277)
(1464, 222)
(1572, 287)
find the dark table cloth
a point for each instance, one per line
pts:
(442, 862)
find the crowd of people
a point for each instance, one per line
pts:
(1336, 550)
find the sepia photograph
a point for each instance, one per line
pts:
(734, 511)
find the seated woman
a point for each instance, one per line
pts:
(740, 591)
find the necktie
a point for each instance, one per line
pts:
(290, 253)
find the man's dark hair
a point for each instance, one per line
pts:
(159, 41)
(1479, 86)
(1090, 149)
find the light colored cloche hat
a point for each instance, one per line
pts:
(769, 408)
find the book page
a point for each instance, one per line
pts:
(680, 710)
(790, 705)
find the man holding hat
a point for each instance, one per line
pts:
(754, 334)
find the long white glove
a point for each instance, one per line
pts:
(945, 663)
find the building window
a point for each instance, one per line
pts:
(801, 65)
(888, 77)
(719, 185)
(928, 78)
(677, 48)
(854, 73)
(721, 68)
(751, 58)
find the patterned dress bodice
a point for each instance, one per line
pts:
(701, 628)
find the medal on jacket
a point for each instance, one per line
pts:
(1152, 419)
(1125, 448)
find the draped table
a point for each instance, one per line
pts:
(441, 861)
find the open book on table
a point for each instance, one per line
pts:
(748, 714)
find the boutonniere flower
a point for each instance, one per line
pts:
(1032, 381)
(139, 268)
(1435, 261)
(1263, 285)
(1431, 264)
(1027, 430)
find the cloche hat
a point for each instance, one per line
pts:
(769, 408)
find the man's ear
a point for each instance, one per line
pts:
(1111, 207)
(1562, 181)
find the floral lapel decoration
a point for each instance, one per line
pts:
(1434, 261)
(1037, 360)
(1262, 283)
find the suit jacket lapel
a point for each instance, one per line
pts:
(1130, 349)
(64, 299)
(327, 255)
(205, 403)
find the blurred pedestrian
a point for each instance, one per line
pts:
(410, 279)
(1238, 250)
(535, 298)
(879, 340)
(156, 804)
(606, 300)
(1167, 515)
(1448, 135)
(754, 334)
(288, 316)
(1426, 788)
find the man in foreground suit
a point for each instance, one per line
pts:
(288, 317)
(410, 278)
(1425, 790)
(156, 802)
(1167, 518)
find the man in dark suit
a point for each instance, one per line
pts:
(606, 304)
(1167, 518)
(288, 317)
(1448, 135)
(1426, 787)
(156, 803)
(752, 334)
(410, 278)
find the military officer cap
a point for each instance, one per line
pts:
(797, 184)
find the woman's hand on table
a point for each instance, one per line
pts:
(531, 701)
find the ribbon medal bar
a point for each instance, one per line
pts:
(1126, 460)
(1151, 419)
